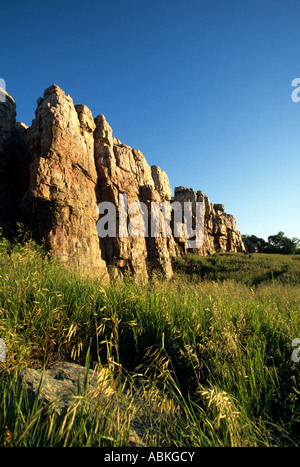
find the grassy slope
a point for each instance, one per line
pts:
(209, 353)
(249, 269)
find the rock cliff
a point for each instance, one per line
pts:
(123, 170)
(220, 230)
(63, 178)
(67, 175)
(14, 165)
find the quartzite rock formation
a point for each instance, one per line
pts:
(122, 169)
(220, 230)
(54, 174)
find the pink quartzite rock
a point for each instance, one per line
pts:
(123, 170)
(75, 164)
(220, 230)
(63, 181)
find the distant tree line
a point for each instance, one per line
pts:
(275, 244)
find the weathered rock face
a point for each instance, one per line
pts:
(14, 165)
(76, 166)
(161, 183)
(63, 181)
(124, 171)
(220, 230)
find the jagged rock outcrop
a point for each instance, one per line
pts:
(161, 183)
(76, 166)
(220, 230)
(123, 170)
(63, 181)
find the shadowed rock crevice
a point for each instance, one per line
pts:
(14, 167)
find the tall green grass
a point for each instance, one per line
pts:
(204, 362)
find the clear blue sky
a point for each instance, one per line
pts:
(201, 87)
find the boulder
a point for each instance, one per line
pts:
(61, 382)
(63, 385)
